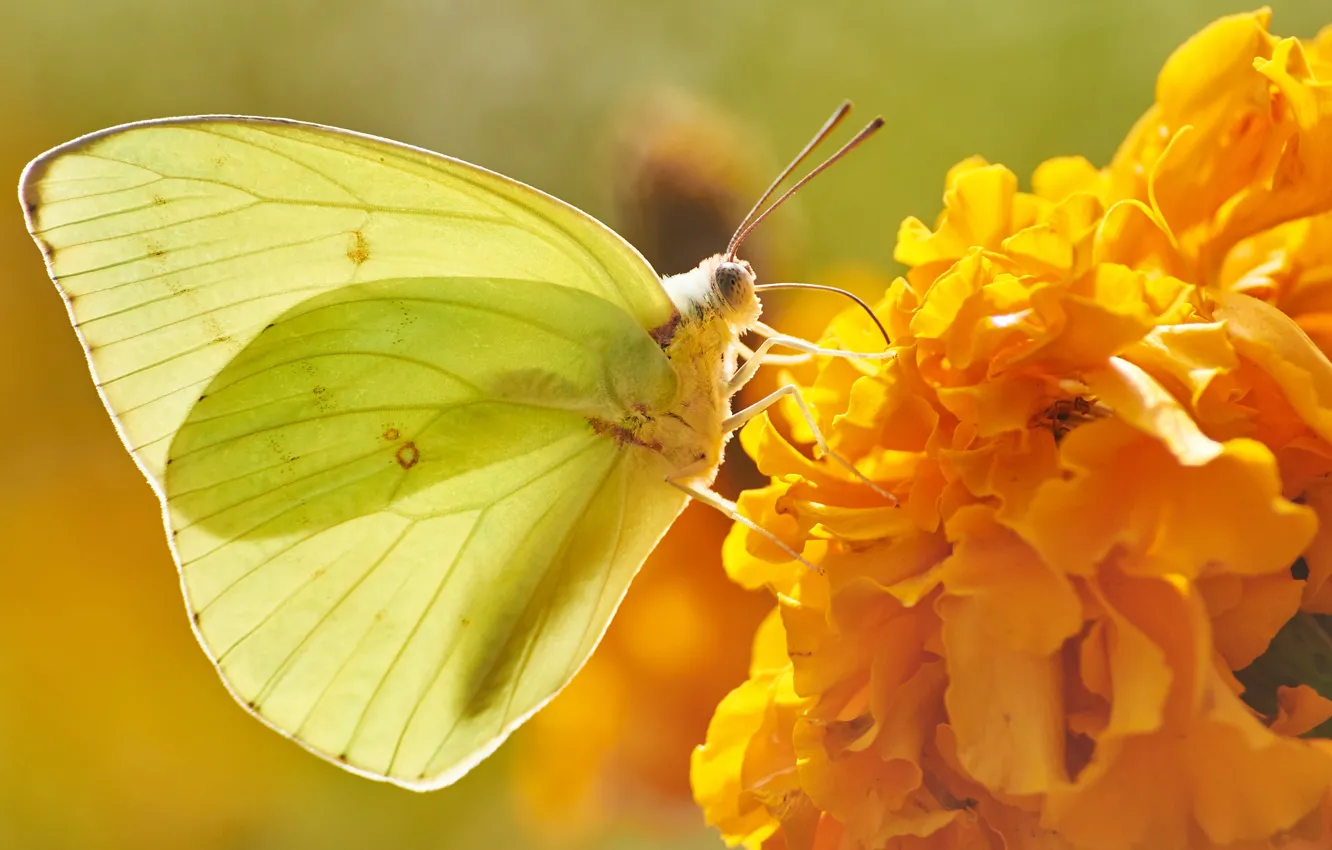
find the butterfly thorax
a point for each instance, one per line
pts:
(714, 304)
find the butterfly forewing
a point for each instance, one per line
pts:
(176, 242)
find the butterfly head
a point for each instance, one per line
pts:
(719, 288)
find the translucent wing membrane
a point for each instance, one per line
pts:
(175, 242)
(364, 381)
(399, 538)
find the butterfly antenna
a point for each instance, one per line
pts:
(830, 125)
(854, 297)
(870, 129)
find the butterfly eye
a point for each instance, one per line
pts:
(731, 278)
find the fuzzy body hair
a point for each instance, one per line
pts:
(702, 348)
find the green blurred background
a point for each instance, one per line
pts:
(114, 731)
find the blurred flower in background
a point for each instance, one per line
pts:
(1112, 443)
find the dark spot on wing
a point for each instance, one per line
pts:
(196, 613)
(323, 399)
(407, 455)
(252, 705)
(359, 252)
(342, 757)
(466, 622)
(159, 200)
(391, 434)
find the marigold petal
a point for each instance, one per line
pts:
(776, 457)
(1131, 234)
(769, 650)
(1171, 614)
(926, 496)
(1006, 707)
(716, 766)
(1220, 592)
(1131, 492)
(1143, 403)
(1189, 361)
(907, 708)
(1057, 178)
(751, 559)
(858, 788)
(1267, 602)
(1318, 557)
(1299, 182)
(1040, 247)
(1271, 339)
(1086, 332)
(1006, 580)
(1215, 60)
(978, 207)
(1011, 468)
(1248, 782)
(996, 406)
(923, 825)
(1299, 710)
(886, 425)
(821, 657)
(939, 307)
(1130, 795)
(1133, 673)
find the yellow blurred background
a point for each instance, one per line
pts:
(664, 119)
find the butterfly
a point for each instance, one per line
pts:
(414, 425)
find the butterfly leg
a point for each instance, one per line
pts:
(774, 359)
(762, 354)
(729, 508)
(738, 419)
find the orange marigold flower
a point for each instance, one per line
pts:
(1109, 427)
